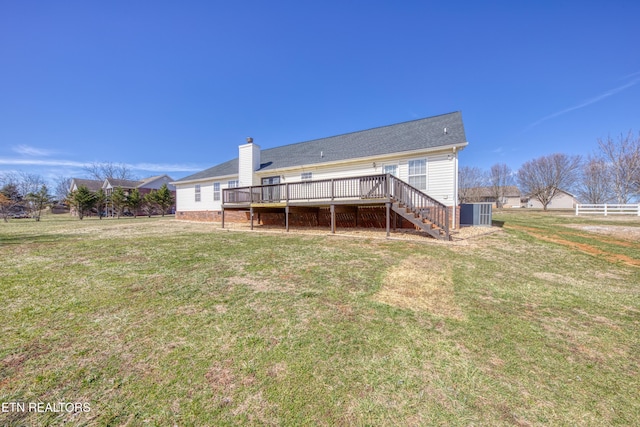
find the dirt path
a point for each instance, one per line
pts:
(583, 247)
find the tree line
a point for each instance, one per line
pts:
(25, 194)
(610, 175)
(84, 201)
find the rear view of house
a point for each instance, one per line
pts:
(357, 175)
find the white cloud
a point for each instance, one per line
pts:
(150, 167)
(165, 167)
(593, 100)
(31, 151)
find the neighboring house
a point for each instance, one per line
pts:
(564, 200)
(92, 185)
(144, 186)
(511, 197)
(299, 180)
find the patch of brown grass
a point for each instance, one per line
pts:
(421, 284)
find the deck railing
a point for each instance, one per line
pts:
(362, 187)
(420, 204)
(371, 187)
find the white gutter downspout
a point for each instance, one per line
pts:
(455, 187)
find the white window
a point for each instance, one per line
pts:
(232, 184)
(216, 191)
(197, 192)
(306, 176)
(390, 169)
(418, 174)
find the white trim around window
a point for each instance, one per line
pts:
(418, 173)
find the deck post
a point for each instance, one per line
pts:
(223, 217)
(286, 217)
(251, 216)
(333, 219)
(388, 206)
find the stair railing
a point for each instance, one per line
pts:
(419, 203)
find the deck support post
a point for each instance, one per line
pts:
(333, 219)
(286, 217)
(222, 217)
(251, 216)
(388, 209)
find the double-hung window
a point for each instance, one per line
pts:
(418, 174)
(197, 188)
(306, 176)
(216, 191)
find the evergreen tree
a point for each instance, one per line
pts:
(118, 200)
(82, 200)
(134, 201)
(101, 202)
(164, 198)
(149, 203)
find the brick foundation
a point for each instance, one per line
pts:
(213, 216)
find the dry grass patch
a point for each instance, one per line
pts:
(421, 284)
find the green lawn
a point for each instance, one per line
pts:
(159, 322)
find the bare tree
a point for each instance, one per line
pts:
(23, 182)
(542, 178)
(61, 189)
(104, 170)
(500, 177)
(38, 201)
(471, 180)
(595, 186)
(623, 160)
(29, 183)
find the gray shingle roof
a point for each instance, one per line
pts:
(91, 184)
(407, 136)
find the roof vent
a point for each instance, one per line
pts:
(249, 140)
(445, 131)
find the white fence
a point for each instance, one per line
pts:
(608, 209)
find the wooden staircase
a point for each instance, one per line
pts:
(426, 213)
(420, 221)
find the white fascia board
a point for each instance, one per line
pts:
(398, 155)
(210, 179)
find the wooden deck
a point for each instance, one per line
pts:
(372, 190)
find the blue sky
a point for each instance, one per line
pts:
(174, 87)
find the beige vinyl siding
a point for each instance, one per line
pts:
(440, 173)
(440, 178)
(185, 197)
